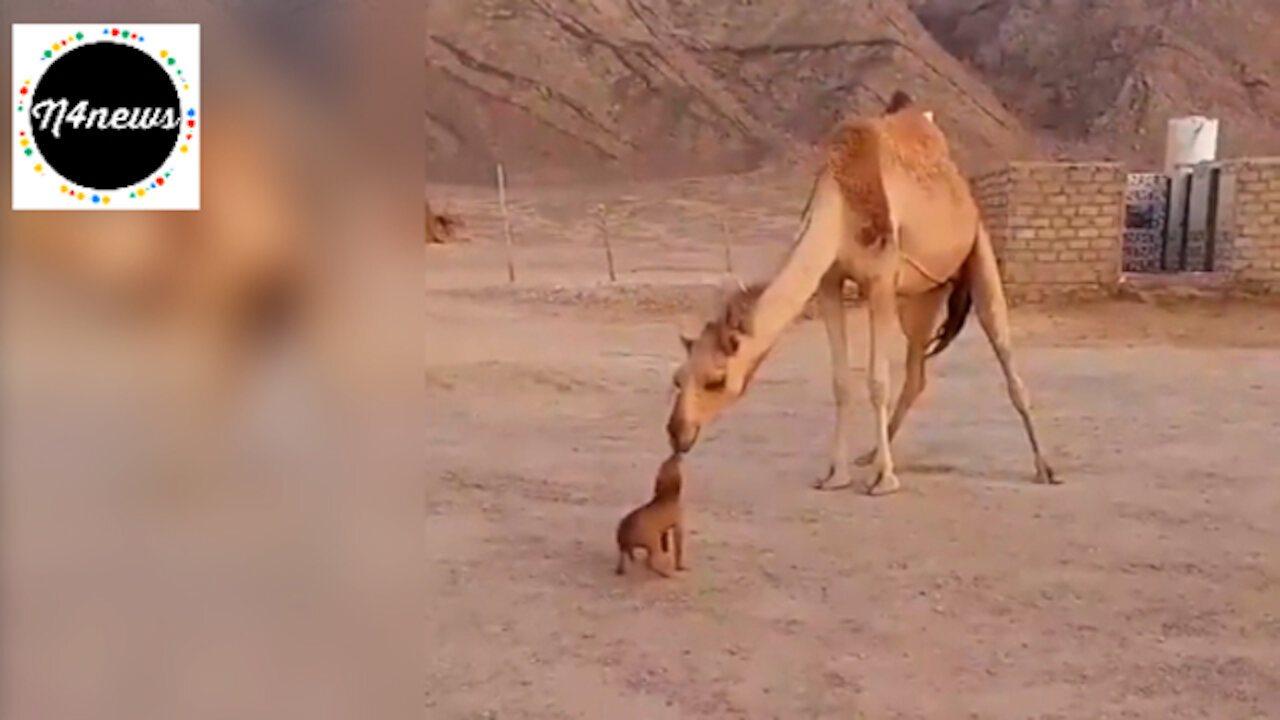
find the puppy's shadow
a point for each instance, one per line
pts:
(588, 562)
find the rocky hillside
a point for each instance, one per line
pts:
(573, 89)
(1111, 73)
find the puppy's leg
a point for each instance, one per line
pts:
(677, 535)
(622, 562)
(648, 560)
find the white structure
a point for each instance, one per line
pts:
(1190, 140)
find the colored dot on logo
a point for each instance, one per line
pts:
(79, 196)
(28, 150)
(142, 192)
(79, 36)
(106, 200)
(97, 199)
(159, 181)
(24, 142)
(23, 91)
(191, 112)
(183, 148)
(133, 194)
(40, 167)
(164, 53)
(48, 53)
(64, 188)
(124, 34)
(172, 61)
(115, 31)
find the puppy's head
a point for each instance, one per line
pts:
(667, 484)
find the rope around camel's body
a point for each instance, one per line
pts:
(921, 269)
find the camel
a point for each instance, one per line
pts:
(890, 211)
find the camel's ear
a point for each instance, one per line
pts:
(689, 331)
(727, 339)
(737, 314)
(730, 287)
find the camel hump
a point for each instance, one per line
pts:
(854, 160)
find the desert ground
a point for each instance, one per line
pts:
(1146, 586)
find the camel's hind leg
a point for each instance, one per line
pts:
(993, 312)
(831, 303)
(918, 316)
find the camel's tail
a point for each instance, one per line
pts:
(959, 303)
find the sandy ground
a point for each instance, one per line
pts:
(1146, 586)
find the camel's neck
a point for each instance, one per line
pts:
(784, 298)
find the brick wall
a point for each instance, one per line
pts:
(1057, 228)
(1248, 222)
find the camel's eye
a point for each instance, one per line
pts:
(715, 385)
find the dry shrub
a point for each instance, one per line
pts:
(442, 227)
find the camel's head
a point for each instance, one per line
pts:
(717, 367)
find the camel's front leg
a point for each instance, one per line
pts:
(882, 307)
(831, 303)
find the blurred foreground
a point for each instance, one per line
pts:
(210, 419)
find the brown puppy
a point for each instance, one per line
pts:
(647, 526)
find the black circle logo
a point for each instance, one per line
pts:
(105, 116)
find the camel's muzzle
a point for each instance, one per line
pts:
(681, 434)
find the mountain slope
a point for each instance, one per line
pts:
(1112, 72)
(574, 89)
(674, 87)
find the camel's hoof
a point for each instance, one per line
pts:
(886, 483)
(833, 480)
(1045, 475)
(866, 458)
